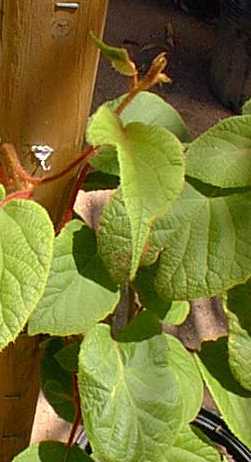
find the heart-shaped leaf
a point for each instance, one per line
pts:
(162, 114)
(26, 246)
(151, 171)
(130, 397)
(222, 155)
(202, 238)
(79, 291)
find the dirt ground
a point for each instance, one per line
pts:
(148, 27)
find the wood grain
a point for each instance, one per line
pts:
(47, 73)
(48, 67)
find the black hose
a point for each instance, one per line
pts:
(216, 429)
(210, 424)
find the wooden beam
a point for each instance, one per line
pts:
(47, 75)
(48, 66)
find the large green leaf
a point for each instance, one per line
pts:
(189, 447)
(151, 170)
(130, 397)
(114, 239)
(207, 245)
(56, 381)
(233, 402)
(239, 339)
(222, 155)
(161, 114)
(79, 291)
(26, 245)
(183, 364)
(146, 325)
(52, 451)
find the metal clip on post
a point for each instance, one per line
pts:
(68, 5)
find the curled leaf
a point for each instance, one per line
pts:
(118, 57)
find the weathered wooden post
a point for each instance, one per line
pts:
(47, 73)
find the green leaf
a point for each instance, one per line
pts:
(145, 325)
(26, 245)
(106, 160)
(239, 349)
(56, 381)
(233, 402)
(130, 398)
(115, 245)
(162, 114)
(52, 451)
(100, 180)
(118, 57)
(239, 339)
(2, 192)
(189, 447)
(151, 169)
(238, 301)
(207, 245)
(246, 108)
(183, 365)
(67, 357)
(114, 239)
(79, 291)
(177, 313)
(148, 296)
(222, 155)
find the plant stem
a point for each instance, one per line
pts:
(68, 214)
(84, 156)
(77, 420)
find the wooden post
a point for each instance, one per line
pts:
(47, 73)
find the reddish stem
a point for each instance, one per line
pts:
(69, 212)
(16, 195)
(85, 155)
(77, 420)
